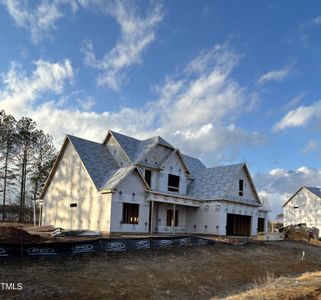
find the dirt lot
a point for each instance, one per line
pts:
(178, 273)
(302, 287)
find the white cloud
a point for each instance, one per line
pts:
(304, 28)
(295, 101)
(300, 116)
(196, 111)
(137, 33)
(138, 30)
(312, 145)
(276, 75)
(39, 20)
(86, 104)
(21, 90)
(279, 184)
(278, 172)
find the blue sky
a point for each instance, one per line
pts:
(226, 81)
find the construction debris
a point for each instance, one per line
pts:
(301, 232)
(269, 236)
(59, 232)
(236, 241)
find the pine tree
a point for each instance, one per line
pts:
(7, 144)
(44, 156)
(26, 142)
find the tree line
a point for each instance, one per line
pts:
(26, 157)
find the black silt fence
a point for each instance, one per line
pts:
(98, 245)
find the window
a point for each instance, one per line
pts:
(73, 204)
(148, 177)
(169, 220)
(130, 213)
(241, 187)
(173, 183)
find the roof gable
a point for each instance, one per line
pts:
(179, 155)
(136, 150)
(111, 182)
(193, 164)
(98, 162)
(248, 174)
(214, 183)
(314, 190)
(54, 168)
(96, 159)
(126, 143)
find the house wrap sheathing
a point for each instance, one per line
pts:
(304, 207)
(147, 186)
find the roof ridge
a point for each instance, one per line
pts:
(225, 166)
(311, 187)
(127, 136)
(79, 138)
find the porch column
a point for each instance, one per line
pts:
(151, 218)
(34, 213)
(173, 220)
(40, 214)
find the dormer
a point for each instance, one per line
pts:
(116, 150)
(173, 174)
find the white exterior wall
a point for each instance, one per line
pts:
(211, 217)
(160, 218)
(247, 189)
(117, 152)
(157, 155)
(71, 184)
(175, 167)
(131, 184)
(154, 178)
(206, 219)
(308, 211)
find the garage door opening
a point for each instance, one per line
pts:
(238, 225)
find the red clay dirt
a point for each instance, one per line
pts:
(14, 235)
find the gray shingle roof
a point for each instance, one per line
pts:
(314, 190)
(99, 163)
(97, 160)
(130, 145)
(159, 140)
(193, 164)
(112, 181)
(208, 183)
(214, 183)
(137, 149)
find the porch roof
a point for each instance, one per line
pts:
(173, 199)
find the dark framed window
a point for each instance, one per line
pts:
(130, 213)
(173, 183)
(169, 218)
(73, 204)
(241, 187)
(148, 177)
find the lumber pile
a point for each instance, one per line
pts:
(301, 232)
